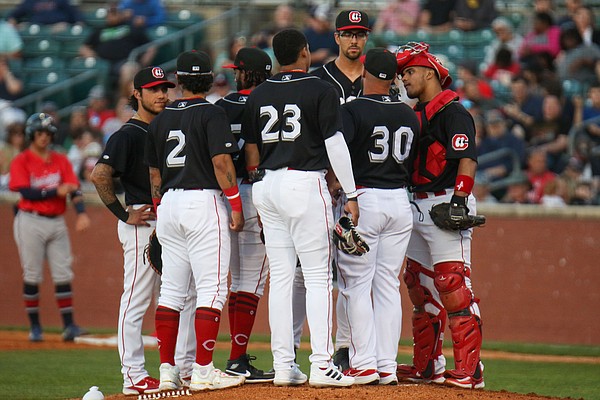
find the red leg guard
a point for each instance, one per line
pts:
(466, 338)
(428, 328)
(450, 283)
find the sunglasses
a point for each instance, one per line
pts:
(349, 35)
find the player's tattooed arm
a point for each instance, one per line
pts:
(102, 178)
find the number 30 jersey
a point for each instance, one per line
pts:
(183, 139)
(289, 117)
(381, 133)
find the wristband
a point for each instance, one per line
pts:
(79, 207)
(233, 195)
(353, 198)
(155, 203)
(252, 168)
(117, 208)
(464, 183)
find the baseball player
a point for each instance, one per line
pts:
(44, 179)
(292, 128)
(188, 150)
(439, 261)
(380, 131)
(345, 74)
(248, 264)
(123, 158)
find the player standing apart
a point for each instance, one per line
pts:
(123, 158)
(188, 151)
(292, 128)
(44, 178)
(248, 264)
(380, 131)
(439, 261)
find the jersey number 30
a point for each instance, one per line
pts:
(400, 144)
(291, 128)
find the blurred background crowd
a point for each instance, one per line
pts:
(527, 70)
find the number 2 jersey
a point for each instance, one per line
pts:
(183, 139)
(381, 132)
(289, 117)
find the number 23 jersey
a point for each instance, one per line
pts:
(289, 117)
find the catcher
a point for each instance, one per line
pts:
(438, 270)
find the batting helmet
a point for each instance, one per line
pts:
(415, 54)
(39, 122)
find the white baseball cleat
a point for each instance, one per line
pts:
(207, 377)
(328, 377)
(169, 377)
(290, 377)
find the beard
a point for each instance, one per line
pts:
(148, 109)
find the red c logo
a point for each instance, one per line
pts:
(460, 142)
(354, 16)
(158, 72)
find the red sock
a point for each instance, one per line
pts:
(207, 328)
(166, 322)
(231, 312)
(245, 313)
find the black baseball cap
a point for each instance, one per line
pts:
(149, 77)
(194, 63)
(251, 59)
(352, 19)
(381, 63)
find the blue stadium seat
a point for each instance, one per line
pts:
(43, 64)
(43, 46)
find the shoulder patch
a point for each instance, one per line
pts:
(460, 142)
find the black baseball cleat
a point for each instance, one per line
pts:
(241, 367)
(341, 358)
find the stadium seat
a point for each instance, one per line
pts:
(30, 32)
(96, 18)
(167, 51)
(41, 47)
(43, 64)
(572, 87)
(39, 81)
(79, 65)
(72, 39)
(182, 18)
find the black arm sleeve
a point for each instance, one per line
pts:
(37, 194)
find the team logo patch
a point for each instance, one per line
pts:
(460, 142)
(158, 72)
(182, 104)
(354, 16)
(386, 99)
(286, 78)
(243, 99)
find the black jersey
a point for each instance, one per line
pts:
(381, 132)
(183, 139)
(346, 89)
(234, 105)
(124, 152)
(448, 136)
(289, 117)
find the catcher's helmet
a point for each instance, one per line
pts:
(39, 122)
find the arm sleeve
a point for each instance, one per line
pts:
(37, 194)
(339, 157)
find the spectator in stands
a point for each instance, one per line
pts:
(11, 87)
(576, 61)
(86, 143)
(319, 35)
(219, 89)
(399, 17)
(504, 68)
(584, 194)
(78, 121)
(469, 85)
(567, 20)
(283, 18)
(550, 134)
(472, 15)
(554, 193)
(8, 116)
(505, 37)
(143, 13)
(499, 137)
(123, 113)
(236, 42)
(587, 115)
(482, 192)
(436, 15)
(14, 144)
(524, 107)
(46, 12)
(11, 43)
(585, 22)
(517, 190)
(544, 37)
(114, 42)
(98, 109)
(572, 176)
(538, 174)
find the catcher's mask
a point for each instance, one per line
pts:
(415, 54)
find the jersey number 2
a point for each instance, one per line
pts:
(400, 142)
(271, 133)
(174, 158)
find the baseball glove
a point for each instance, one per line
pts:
(153, 253)
(454, 217)
(347, 239)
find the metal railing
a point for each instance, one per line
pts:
(498, 155)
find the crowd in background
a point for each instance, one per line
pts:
(534, 94)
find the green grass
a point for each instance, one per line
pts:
(60, 374)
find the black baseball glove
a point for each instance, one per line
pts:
(153, 253)
(454, 216)
(347, 239)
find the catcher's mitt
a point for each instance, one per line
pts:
(347, 239)
(454, 217)
(153, 253)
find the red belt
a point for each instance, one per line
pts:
(425, 195)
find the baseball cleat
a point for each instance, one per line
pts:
(169, 377)
(388, 378)
(328, 377)
(363, 376)
(341, 358)
(462, 380)
(71, 332)
(241, 366)
(207, 377)
(409, 373)
(35, 334)
(144, 386)
(291, 377)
